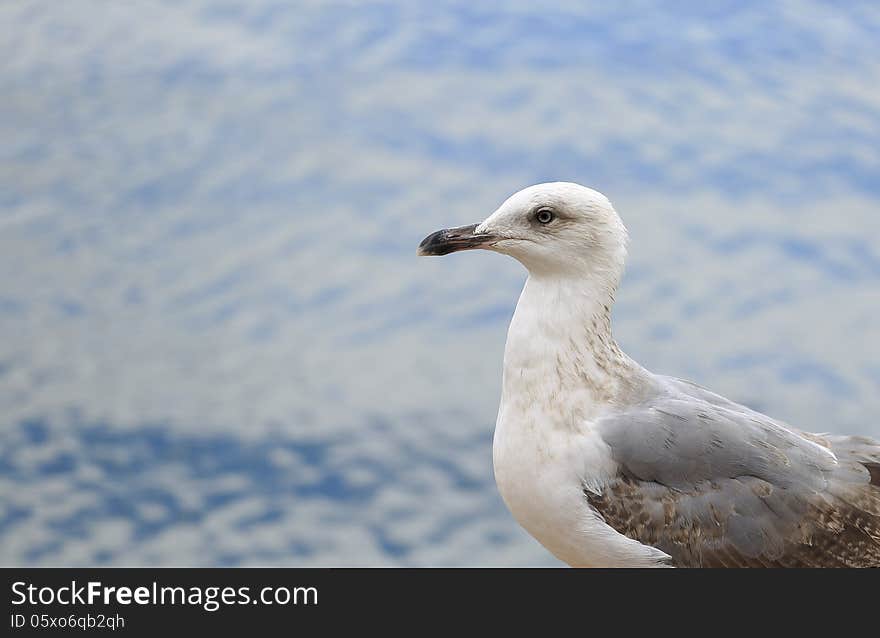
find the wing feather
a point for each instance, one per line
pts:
(713, 483)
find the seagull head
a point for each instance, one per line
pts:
(555, 229)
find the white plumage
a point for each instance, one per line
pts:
(607, 464)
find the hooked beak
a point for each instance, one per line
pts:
(450, 240)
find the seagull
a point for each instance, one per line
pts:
(607, 464)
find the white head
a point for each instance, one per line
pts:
(557, 229)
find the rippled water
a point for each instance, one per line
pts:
(218, 344)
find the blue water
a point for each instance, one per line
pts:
(218, 345)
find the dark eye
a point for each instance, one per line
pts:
(544, 215)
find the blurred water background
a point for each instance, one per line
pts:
(218, 346)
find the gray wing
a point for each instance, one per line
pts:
(713, 483)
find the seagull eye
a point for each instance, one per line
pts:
(544, 215)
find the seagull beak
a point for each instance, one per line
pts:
(450, 240)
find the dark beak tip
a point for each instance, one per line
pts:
(425, 247)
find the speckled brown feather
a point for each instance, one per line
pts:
(693, 526)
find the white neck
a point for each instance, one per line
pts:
(560, 343)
